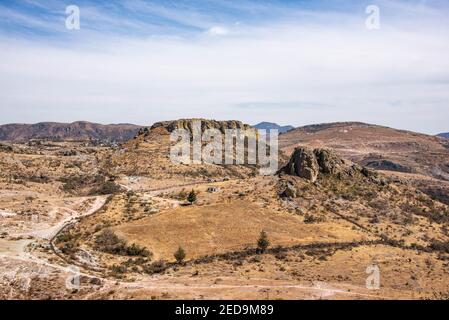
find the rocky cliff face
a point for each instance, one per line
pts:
(186, 124)
(309, 163)
(324, 168)
(303, 163)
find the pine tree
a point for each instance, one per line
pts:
(262, 242)
(179, 255)
(191, 197)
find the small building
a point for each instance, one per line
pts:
(212, 189)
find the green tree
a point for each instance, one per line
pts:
(191, 197)
(262, 242)
(180, 255)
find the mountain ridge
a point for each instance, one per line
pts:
(271, 125)
(78, 130)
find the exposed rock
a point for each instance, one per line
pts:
(309, 164)
(67, 153)
(388, 165)
(290, 191)
(187, 124)
(303, 163)
(328, 161)
(6, 148)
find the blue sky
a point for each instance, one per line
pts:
(292, 62)
(140, 18)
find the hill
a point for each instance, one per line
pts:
(444, 135)
(80, 130)
(376, 147)
(271, 125)
(148, 154)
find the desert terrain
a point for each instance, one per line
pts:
(82, 219)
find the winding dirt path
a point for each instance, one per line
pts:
(17, 249)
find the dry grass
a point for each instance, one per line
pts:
(203, 230)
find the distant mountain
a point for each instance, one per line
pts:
(271, 125)
(80, 130)
(444, 135)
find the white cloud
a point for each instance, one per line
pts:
(293, 72)
(218, 31)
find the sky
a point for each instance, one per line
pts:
(290, 62)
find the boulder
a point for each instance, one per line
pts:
(303, 163)
(329, 162)
(290, 191)
(309, 163)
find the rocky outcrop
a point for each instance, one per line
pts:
(387, 165)
(310, 163)
(187, 124)
(328, 161)
(289, 190)
(303, 163)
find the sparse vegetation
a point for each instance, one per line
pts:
(180, 255)
(355, 215)
(191, 198)
(156, 267)
(108, 241)
(263, 243)
(107, 187)
(308, 218)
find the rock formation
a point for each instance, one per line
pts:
(303, 163)
(205, 124)
(309, 163)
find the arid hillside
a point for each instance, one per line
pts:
(148, 154)
(80, 130)
(421, 159)
(376, 147)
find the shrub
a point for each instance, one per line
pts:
(180, 255)
(156, 267)
(108, 241)
(308, 218)
(262, 242)
(191, 197)
(118, 269)
(379, 205)
(107, 187)
(437, 245)
(136, 250)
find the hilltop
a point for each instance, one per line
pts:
(271, 125)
